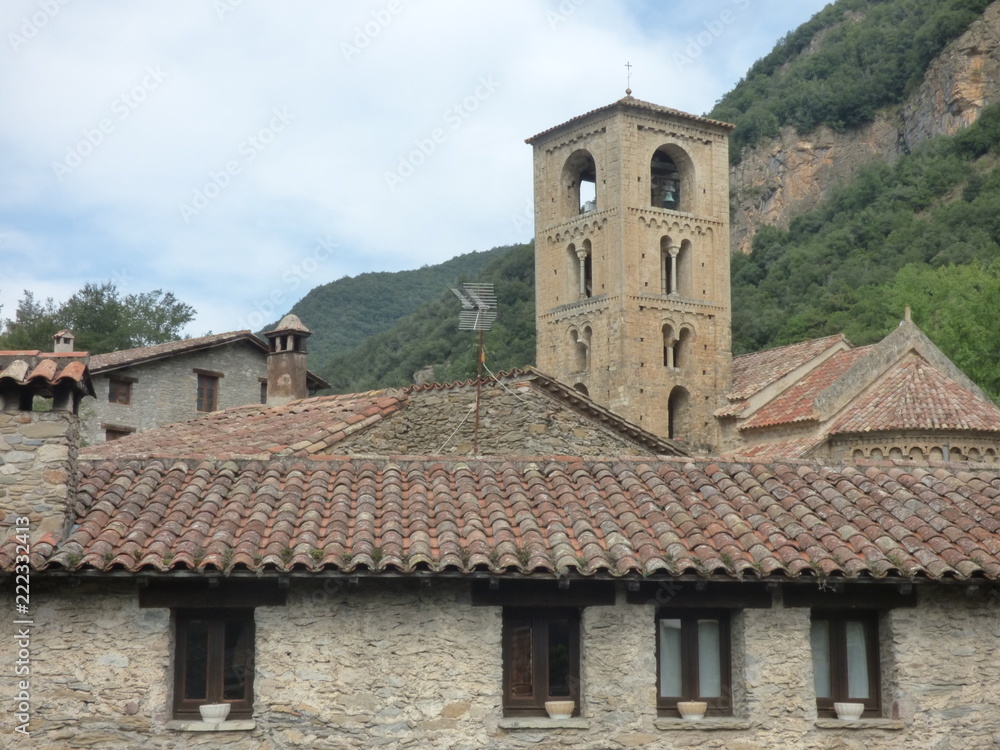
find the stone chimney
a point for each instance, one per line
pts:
(38, 449)
(65, 342)
(286, 361)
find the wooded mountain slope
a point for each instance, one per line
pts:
(347, 311)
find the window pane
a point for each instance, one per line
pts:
(196, 659)
(820, 639)
(520, 659)
(857, 660)
(235, 661)
(559, 658)
(670, 658)
(709, 666)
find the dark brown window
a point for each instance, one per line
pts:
(846, 660)
(208, 392)
(119, 391)
(694, 660)
(541, 659)
(214, 661)
(113, 434)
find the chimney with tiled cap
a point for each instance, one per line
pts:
(286, 361)
(65, 342)
(38, 448)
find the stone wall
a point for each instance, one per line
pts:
(37, 466)
(166, 390)
(519, 422)
(411, 666)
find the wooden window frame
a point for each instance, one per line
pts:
(720, 706)
(207, 397)
(540, 619)
(838, 661)
(119, 388)
(187, 708)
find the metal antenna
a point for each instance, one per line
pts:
(479, 311)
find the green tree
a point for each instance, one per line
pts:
(33, 326)
(101, 318)
(956, 306)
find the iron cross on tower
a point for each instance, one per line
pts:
(628, 78)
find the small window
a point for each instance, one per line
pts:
(694, 661)
(541, 659)
(208, 392)
(119, 391)
(214, 661)
(846, 661)
(263, 390)
(115, 433)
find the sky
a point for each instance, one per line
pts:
(239, 153)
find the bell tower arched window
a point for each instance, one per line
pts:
(678, 406)
(581, 347)
(581, 270)
(579, 185)
(665, 181)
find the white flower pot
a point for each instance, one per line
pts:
(849, 711)
(692, 710)
(215, 712)
(559, 709)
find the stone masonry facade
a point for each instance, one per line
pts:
(165, 390)
(516, 420)
(632, 299)
(398, 665)
(37, 468)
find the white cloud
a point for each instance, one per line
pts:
(148, 105)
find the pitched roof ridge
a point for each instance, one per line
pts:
(141, 353)
(502, 375)
(630, 101)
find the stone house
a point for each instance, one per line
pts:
(150, 386)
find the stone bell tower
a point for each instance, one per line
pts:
(632, 264)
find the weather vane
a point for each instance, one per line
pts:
(628, 78)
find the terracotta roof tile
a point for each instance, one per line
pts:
(302, 427)
(753, 372)
(913, 395)
(796, 403)
(46, 370)
(617, 517)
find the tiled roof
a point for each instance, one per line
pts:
(776, 451)
(100, 363)
(315, 426)
(616, 517)
(796, 403)
(632, 103)
(301, 428)
(127, 357)
(913, 395)
(753, 372)
(46, 370)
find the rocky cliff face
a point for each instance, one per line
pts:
(788, 175)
